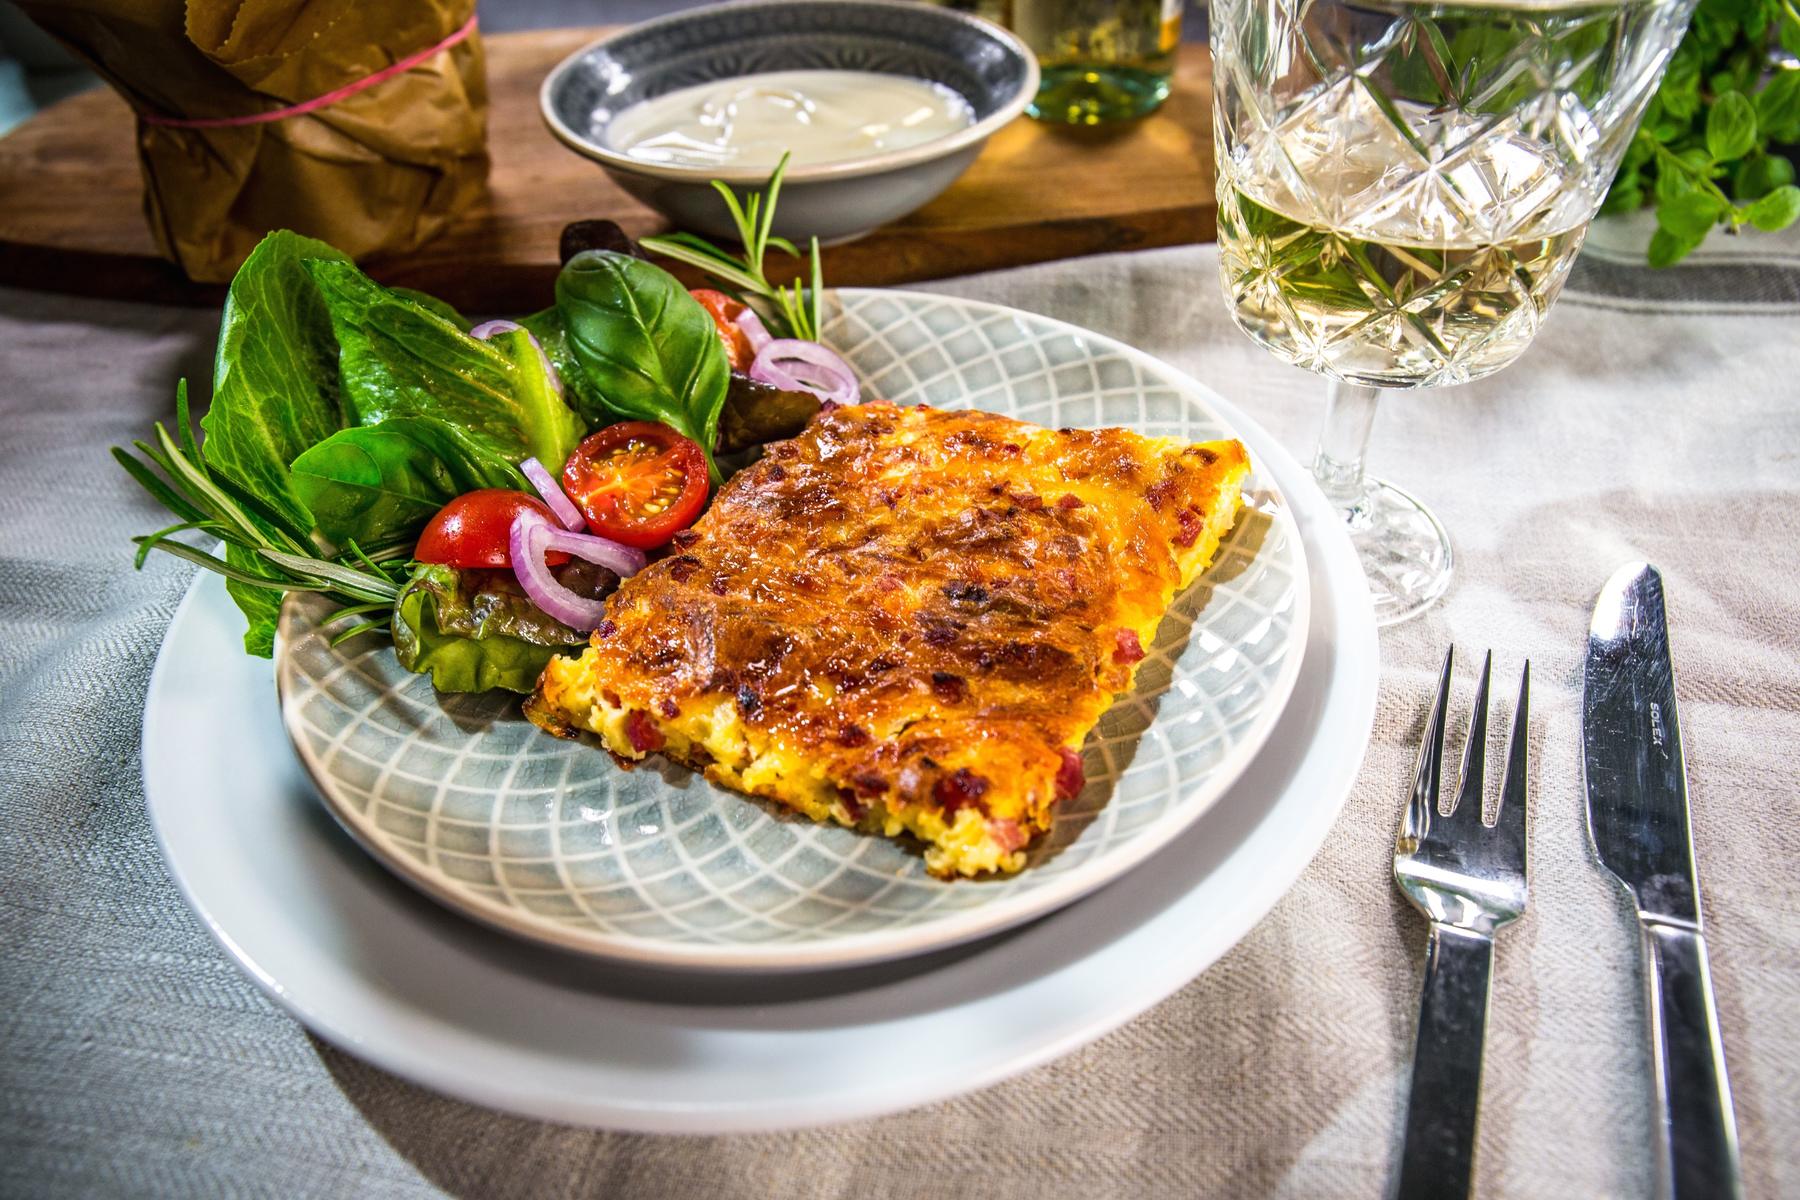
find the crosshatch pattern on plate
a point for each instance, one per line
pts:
(463, 793)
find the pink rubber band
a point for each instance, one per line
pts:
(317, 102)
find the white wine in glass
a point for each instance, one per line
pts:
(1403, 189)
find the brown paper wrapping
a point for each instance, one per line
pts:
(383, 169)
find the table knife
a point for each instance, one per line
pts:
(1637, 811)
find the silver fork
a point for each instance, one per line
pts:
(1468, 878)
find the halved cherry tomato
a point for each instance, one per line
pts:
(637, 482)
(472, 530)
(724, 312)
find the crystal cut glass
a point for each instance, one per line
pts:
(1403, 189)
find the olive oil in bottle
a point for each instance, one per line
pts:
(1102, 60)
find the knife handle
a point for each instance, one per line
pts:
(1696, 1131)
(1437, 1160)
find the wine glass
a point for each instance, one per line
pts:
(1402, 190)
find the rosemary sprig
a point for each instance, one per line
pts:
(290, 559)
(793, 309)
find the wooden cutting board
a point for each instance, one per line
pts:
(71, 216)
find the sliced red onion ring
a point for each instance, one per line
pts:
(753, 328)
(794, 365)
(622, 560)
(527, 541)
(487, 329)
(553, 495)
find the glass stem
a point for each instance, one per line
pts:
(1338, 465)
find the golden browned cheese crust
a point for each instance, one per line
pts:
(906, 620)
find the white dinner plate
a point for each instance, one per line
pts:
(375, 968)
(552, 840)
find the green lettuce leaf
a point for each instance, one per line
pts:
(261, 606)
(378, 485)
(552, 428)
(400, 358)
(275, 374)
(578, 390)
(475, 630)
(442, 309)
(275, 393)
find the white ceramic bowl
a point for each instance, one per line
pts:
(986, 65)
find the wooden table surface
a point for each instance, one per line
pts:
(71, 210)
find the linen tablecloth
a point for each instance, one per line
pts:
(1657, 416)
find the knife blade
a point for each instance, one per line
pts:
(1636, 780)
(1638, 824)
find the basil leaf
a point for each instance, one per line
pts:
(1759, 175)
(1673, 182)
(475, 630)
(377, 485)
(1778, 107)
(1777, 210)
(1679, 91)
(1759, 17)
(399, 358)
(275, 374)
(1666, 249)
(644, 347)
(1690, 214)
(1730, 127)
(1622, 198)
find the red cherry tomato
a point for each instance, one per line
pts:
(473, 529)
(637, 482)
(724, 311)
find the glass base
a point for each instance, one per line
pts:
(1096, 94)
(1405, 552)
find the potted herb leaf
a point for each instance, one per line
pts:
(1715, 149)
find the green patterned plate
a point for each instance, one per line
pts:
(463, 798)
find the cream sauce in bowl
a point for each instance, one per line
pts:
(821, 117)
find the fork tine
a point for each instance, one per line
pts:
(1513, 822)
(1474, 760)
(1415, 821)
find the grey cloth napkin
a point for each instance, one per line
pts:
(1657, 416)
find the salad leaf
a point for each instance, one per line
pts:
(377, 485)
(475, 630)
(275, 392)
(275, 374)
(265, 553)
(552, 429)
(261, 606)
(642, 344)
(441, 308)
(400, 358)
(578, 390)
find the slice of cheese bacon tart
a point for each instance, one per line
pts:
(905, 620)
